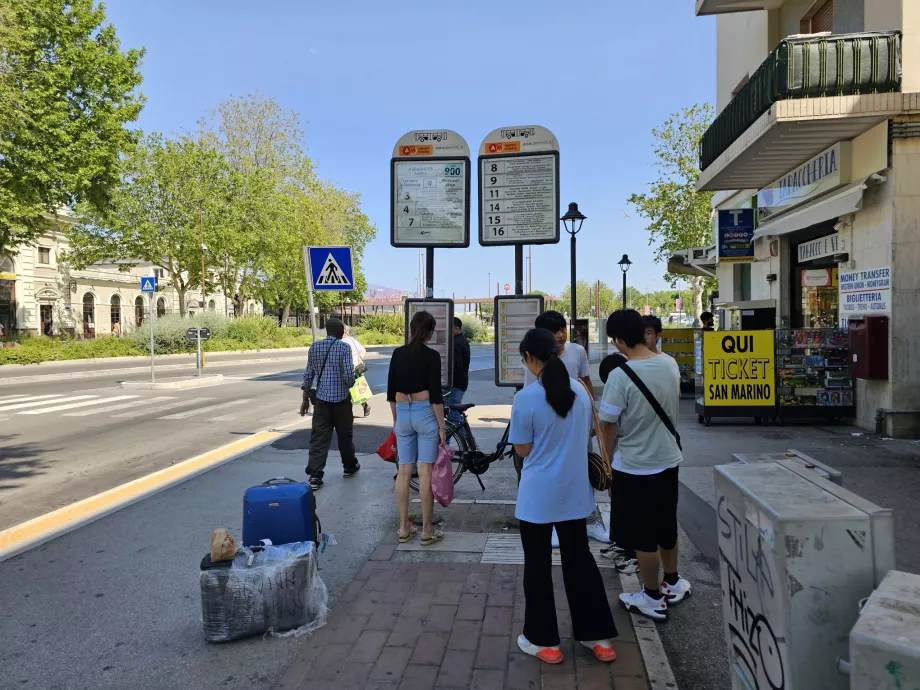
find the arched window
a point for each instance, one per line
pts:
(139, 311)
(212, 305)
(252, 308)
(89, 315)
(6, 264)
(161, 307)
(115, 303)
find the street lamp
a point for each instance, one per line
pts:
(572, 220)
(624, 265)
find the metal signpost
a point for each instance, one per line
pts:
(430, 194)
(514, 316)
(198, 334)
(149, 286)
(328, 269)
(519, 191)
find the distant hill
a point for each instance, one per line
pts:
(382, 293)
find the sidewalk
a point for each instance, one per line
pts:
(448, 616)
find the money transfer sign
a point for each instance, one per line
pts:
(865, 292)
(519, 187)
(430, 190)
(514, 316)
(739, 368)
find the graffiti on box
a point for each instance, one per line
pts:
(749, 597)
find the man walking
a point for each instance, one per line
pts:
(461, 370)
(330, 368)
(645, 463)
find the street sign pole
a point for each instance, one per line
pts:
(429, 272)
(153, 377)
(199, 352)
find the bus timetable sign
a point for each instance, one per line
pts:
(192, 333)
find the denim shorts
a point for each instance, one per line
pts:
(417, 437)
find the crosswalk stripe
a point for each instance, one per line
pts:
(10, 397)
(36, 403)
(148, 412)
(111, 408)
(205, 410)
(84, 403)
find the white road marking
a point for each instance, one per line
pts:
(48, 401)
(203, 411)
(149, 412)
(84, 403)
(224, 418)
(10, 397)
(110, 408)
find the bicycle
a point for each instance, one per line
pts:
(467, 456)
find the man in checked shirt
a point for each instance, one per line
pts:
(329, 375)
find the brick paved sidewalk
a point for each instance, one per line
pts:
(413, 625)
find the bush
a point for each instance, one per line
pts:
(387, 323)
(41, 349)
(368, 337)
(254, 328)
(169, 332)
(475, 330)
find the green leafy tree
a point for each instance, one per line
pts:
(678, 216)
(67, 90)
(170, 187)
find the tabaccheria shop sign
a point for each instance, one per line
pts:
(824, 172)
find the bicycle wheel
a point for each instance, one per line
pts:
(456, 440)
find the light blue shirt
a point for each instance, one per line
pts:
(554, 481)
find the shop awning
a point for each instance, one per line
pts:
(832, 205)
(695, 261)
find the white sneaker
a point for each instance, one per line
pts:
(643, 604)
(598, 532)
(555, 539)
(612, 552)
(627, 566)
(675, 593)
(549, 655)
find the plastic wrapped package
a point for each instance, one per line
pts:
(275, 590)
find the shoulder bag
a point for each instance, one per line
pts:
(600, 473)
(312, 391)
(662, 415)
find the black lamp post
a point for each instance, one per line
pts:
(624, 264)
(572, 220)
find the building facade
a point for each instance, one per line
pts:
(819, 133)
(42, 295)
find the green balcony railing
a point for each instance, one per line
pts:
(808, 67)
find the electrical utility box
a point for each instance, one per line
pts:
(797, 553)
(885, 642)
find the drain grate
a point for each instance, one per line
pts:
(507, 549)
(858, 441)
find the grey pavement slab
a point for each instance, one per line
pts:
(117, 605)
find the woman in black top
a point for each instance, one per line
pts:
(415, 397)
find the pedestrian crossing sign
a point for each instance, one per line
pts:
(331, 268)
(148, 284)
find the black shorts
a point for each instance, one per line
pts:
(648, 508)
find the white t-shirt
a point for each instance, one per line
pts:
(575, 359)
(357, 349)
(644, 444)
(554, 481)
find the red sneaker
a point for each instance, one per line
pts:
(603, 649)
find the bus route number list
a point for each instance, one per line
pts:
(430, 202)
(519, 200)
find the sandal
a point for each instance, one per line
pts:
(404, 539)
(435, 537)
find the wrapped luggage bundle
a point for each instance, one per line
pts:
(267, 589)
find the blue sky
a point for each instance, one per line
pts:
(599, 74)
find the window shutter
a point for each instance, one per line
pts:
(823, 18)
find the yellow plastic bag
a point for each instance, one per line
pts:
(361, 391)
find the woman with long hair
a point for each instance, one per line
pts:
(551, 423)
(416, 400)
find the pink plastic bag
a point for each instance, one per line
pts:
(442, 477)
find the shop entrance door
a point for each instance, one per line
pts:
(7, 305)
(814, 282)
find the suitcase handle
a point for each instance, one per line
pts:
(279, 480)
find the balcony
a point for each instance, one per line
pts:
(809, 93)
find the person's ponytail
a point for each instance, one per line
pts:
(540, 344)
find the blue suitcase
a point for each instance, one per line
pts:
(281, 510)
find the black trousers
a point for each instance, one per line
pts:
(329, 417)
(584, 588)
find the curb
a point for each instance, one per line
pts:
(657, 666)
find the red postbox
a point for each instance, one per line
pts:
(868, 347)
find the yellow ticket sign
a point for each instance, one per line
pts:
(739, 368)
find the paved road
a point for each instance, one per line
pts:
(66, 439)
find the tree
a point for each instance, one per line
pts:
(679, 216)
(67, 90)
(597, 293)
(170, 186)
